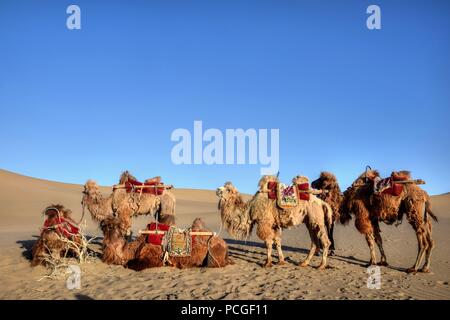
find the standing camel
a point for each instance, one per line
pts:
(370, 208)
(332, 195)
(239, 217)
(125, 204)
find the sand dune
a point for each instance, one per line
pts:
(22, 200)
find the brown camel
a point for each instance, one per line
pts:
(58, 226)
(239, 217)
(125, 204)
(333, 196)
(207, 251)
(370, 208)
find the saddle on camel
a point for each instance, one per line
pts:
(58, 227)
(288, 196)
(151, 186)
(175, 242)
(392, 185)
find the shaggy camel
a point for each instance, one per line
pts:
(370, 208)
(58, 225)
(125, 204)
(239, 217)
(207, 251)
(333, 196)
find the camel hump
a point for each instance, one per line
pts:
(401, 175)
(125, 176)
(156, 180)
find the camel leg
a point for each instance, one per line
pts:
(379, 241)
(330, 236)
(269, 244)
(305, 262)
(278, 245)
(325, 243)
(422, 243)
(430, 242)
(313, 248)
(371, 242)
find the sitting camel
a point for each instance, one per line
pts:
(369, 208)
(58, 226)
(125, 203)
(207, 250)
(239, 217)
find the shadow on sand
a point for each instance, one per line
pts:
(243, 254)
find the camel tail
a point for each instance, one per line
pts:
(429, 212)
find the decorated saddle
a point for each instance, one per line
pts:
(151, 186)
(288, 196)
(389, 185)
(176, 242)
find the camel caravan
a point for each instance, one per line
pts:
(275, 206)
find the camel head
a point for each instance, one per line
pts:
(111, 228)
(91, 189)
(57, 210)
(326, 181)
(93, 199)
(226, 192)
(234, 212)
(300, 180)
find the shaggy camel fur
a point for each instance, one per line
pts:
(126, 205)
(207, 251)
(333, 196)
(369, 209)
(50, 243)
(239, 217)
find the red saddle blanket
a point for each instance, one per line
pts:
(62, 227)
(153, 187)
(301, 188)
(157, 238)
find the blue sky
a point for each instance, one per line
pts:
(90, 103)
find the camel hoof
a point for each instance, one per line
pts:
(383, 263)
(425, 270)
(411, 270)
(281, 263)
(268, 264)
(303, 264)
(321, 267)
(371, 263)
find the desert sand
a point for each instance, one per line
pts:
(22, 200)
